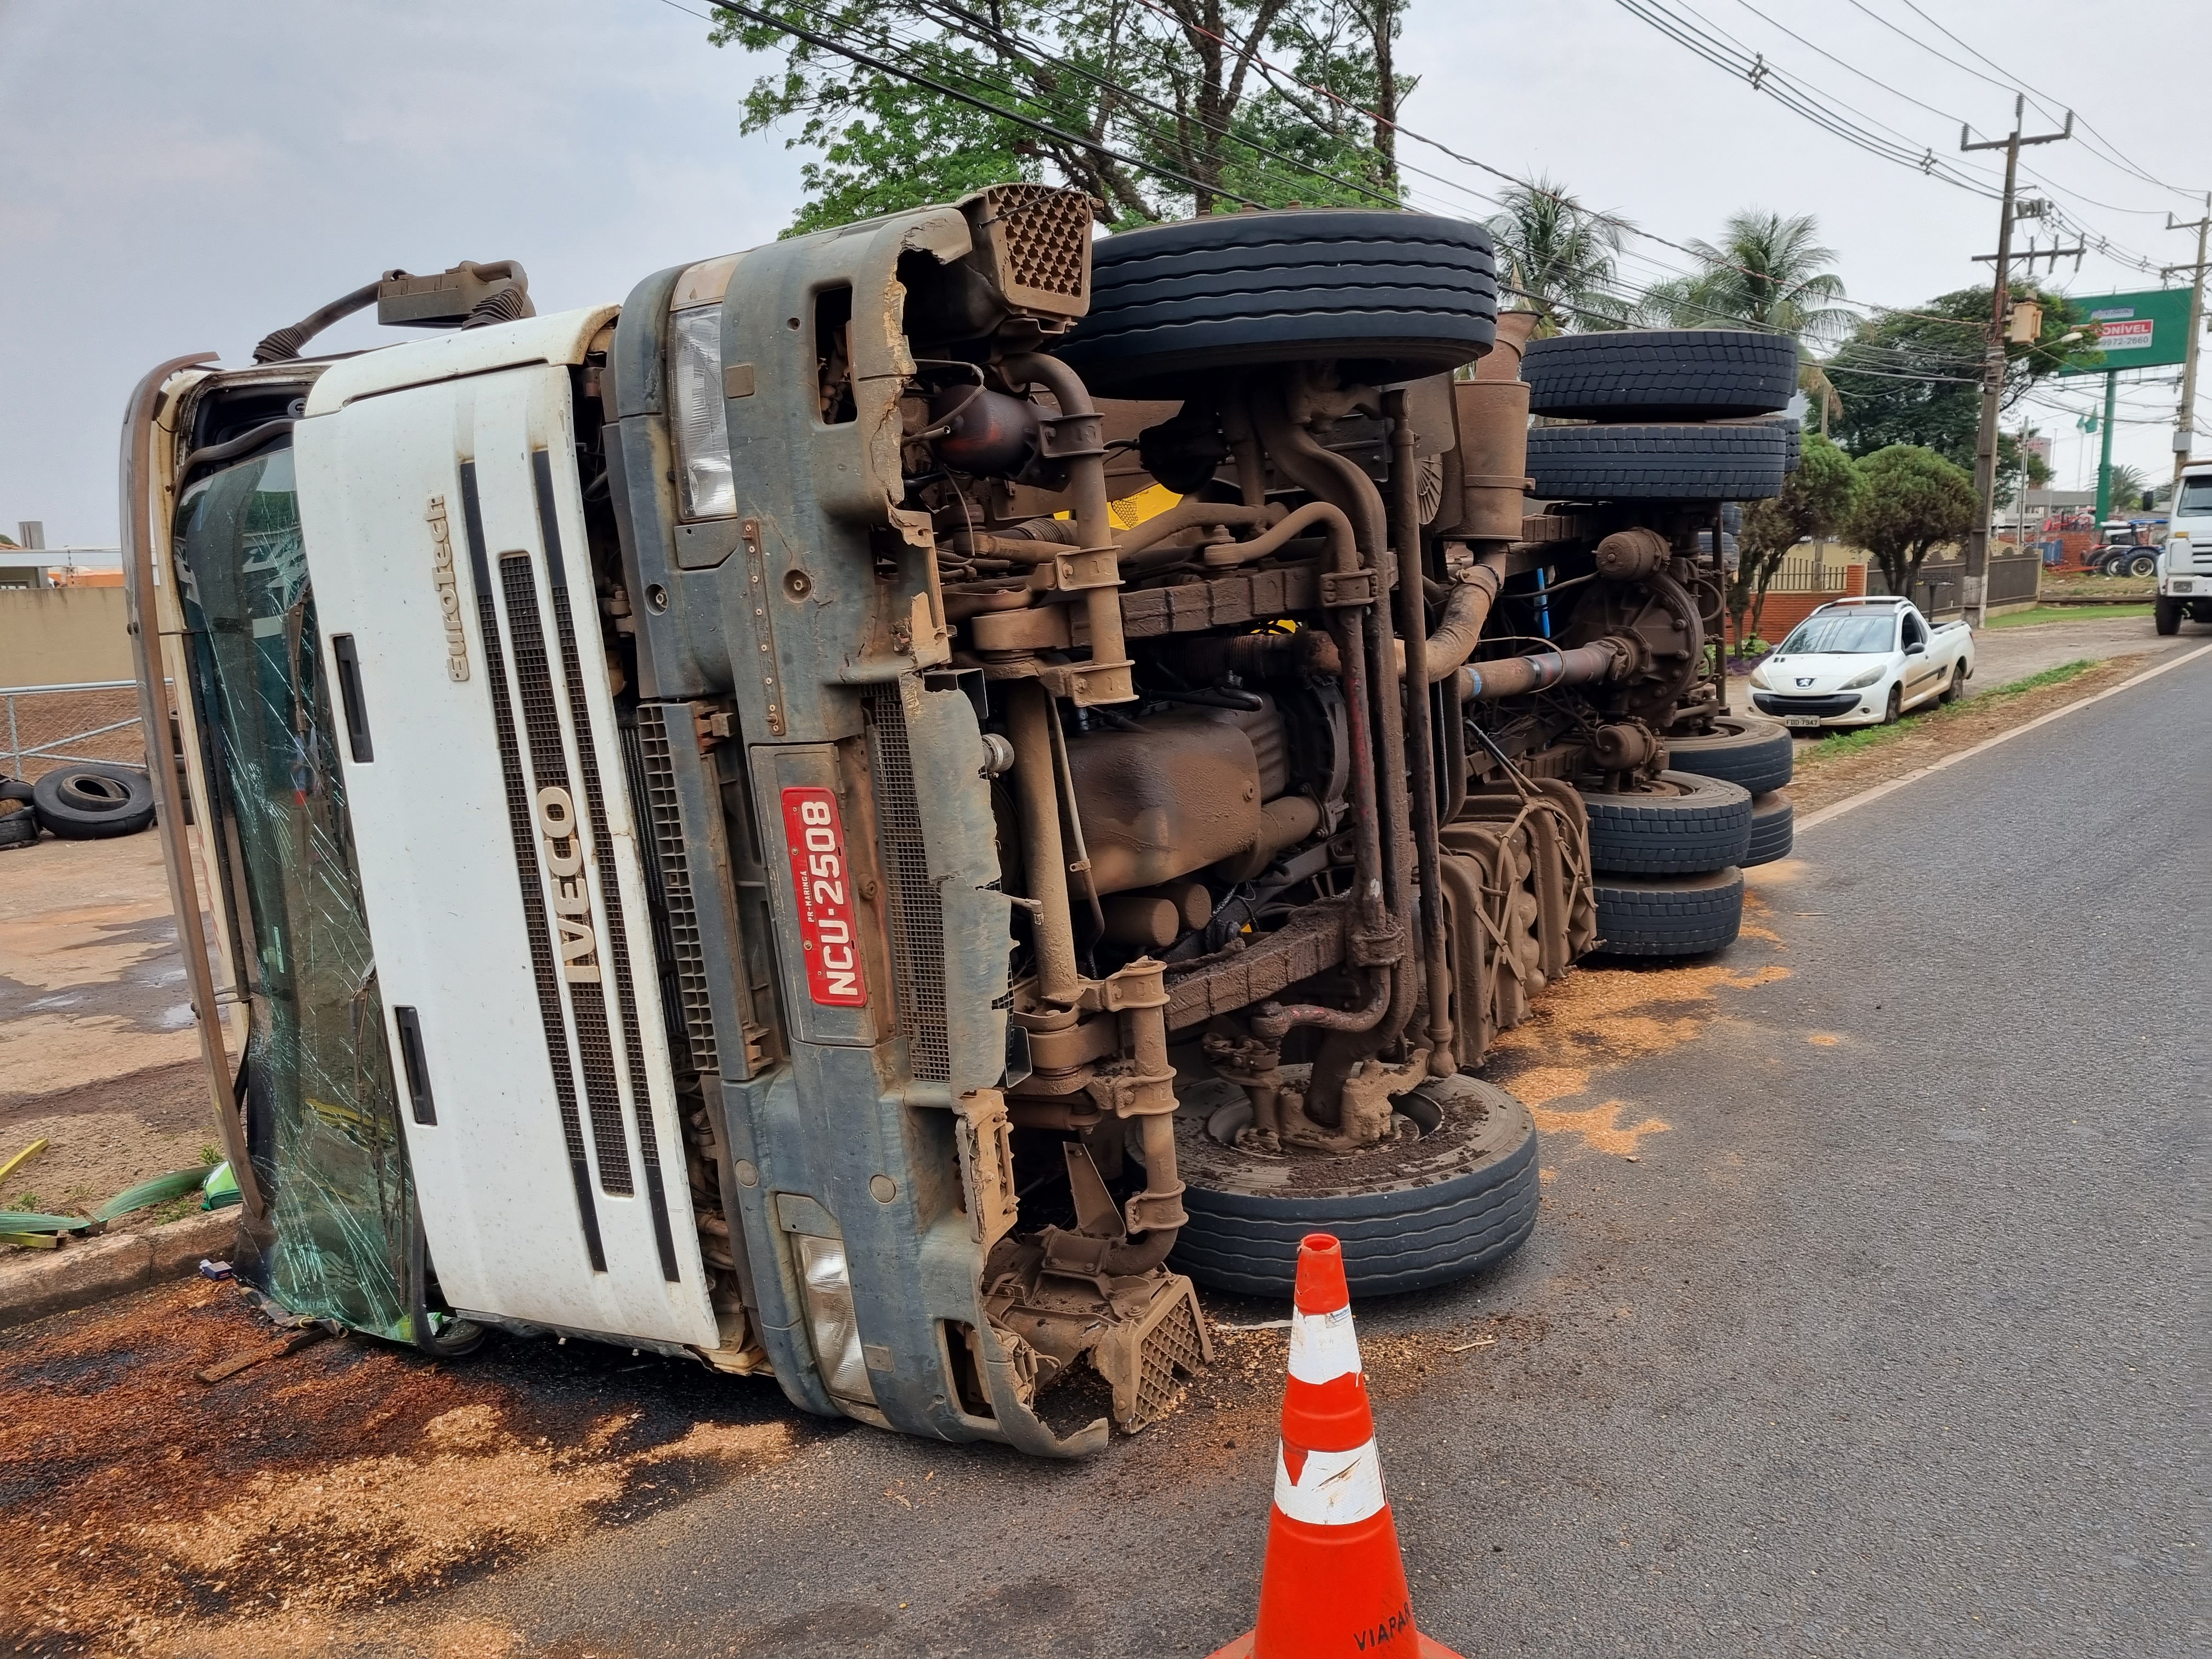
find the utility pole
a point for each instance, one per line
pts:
(2185, 425)
(1993, 361)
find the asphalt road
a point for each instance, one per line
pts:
(1892, 1342)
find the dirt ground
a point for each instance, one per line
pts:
(98, 1052)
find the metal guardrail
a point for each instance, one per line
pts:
(53, 752)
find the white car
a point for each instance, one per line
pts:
(1863, 662)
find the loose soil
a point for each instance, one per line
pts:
(300, 1505)
(1822, 779)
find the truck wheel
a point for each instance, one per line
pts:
(1660, 374)
(1758, 754)
(1676, 463)
(90, 803)
(1686, 826)
(1677, 916)
(1396, 295)
(1457, 1194)
(2166, 616)
(1773, 828)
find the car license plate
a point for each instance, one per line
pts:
(1803, 722)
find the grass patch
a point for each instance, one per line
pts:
(1837, 745)
(2053, 613)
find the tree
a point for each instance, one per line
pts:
(1176, 85)
(1910, 501)
(2129, 486)
(1815, 501)
(1915, 377)
(1560, 255)
(1771, 272)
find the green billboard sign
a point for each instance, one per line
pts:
(2149, 329)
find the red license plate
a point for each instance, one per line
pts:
(822, 879)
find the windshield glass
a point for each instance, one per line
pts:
(322, 1112)
(2195, 498)
(1851, 633)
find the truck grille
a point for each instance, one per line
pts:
(522, 826)
(658, 792)
(597, 827)
(917, 912)
(549, 767)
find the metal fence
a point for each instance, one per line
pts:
(1802, 574)
(54, 750)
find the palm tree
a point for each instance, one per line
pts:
(1771, 272)
(1559, 255)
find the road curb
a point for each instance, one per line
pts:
(94, 1269)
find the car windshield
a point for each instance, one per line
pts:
(1848, 634)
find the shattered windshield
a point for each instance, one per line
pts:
(1851, 634)
(322, 1111)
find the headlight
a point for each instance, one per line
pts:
(830, 1325)
(702, 428)
(1865, 679)
(1758, 678)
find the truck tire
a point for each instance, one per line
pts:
(1396, 295)
(1689, 826)
(1660, 374)
(91, 803)
(1747, 749)
(1646, 463)
(2166, 616)
(1677, 916)
(1460, 1199)
(1773, 828)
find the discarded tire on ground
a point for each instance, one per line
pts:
(1411, 1213)
(1393, 296)
(1758, 753)
(1687, 826)
(1685, 916)
(1773, 828)
(1673, 463)
(19, 822)
(1660, 374)
(91, 803)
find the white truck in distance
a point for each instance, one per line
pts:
(2185, 568)
(1863, 662)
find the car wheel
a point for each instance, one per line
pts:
(1660, 374)
(91, 803)
(1955, 686)
(1745, 748)
(1668, 916)
(1895, 707)
(1701, 462)
(1685, 825)
(1393, 297)
(1773, 828)
(1456, 1193)
(2166, 616)
(2142, 564)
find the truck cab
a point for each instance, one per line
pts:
(2185, 563)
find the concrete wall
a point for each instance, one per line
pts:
(51, 635)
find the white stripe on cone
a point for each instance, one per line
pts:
(1322, 1345)
(1331, 1488)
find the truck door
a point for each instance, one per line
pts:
(499, 859)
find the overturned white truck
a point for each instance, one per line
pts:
(875, 811)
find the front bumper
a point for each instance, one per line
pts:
(1828, 709)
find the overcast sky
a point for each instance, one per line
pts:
(186, 176)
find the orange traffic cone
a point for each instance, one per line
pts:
(1334, 1585)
